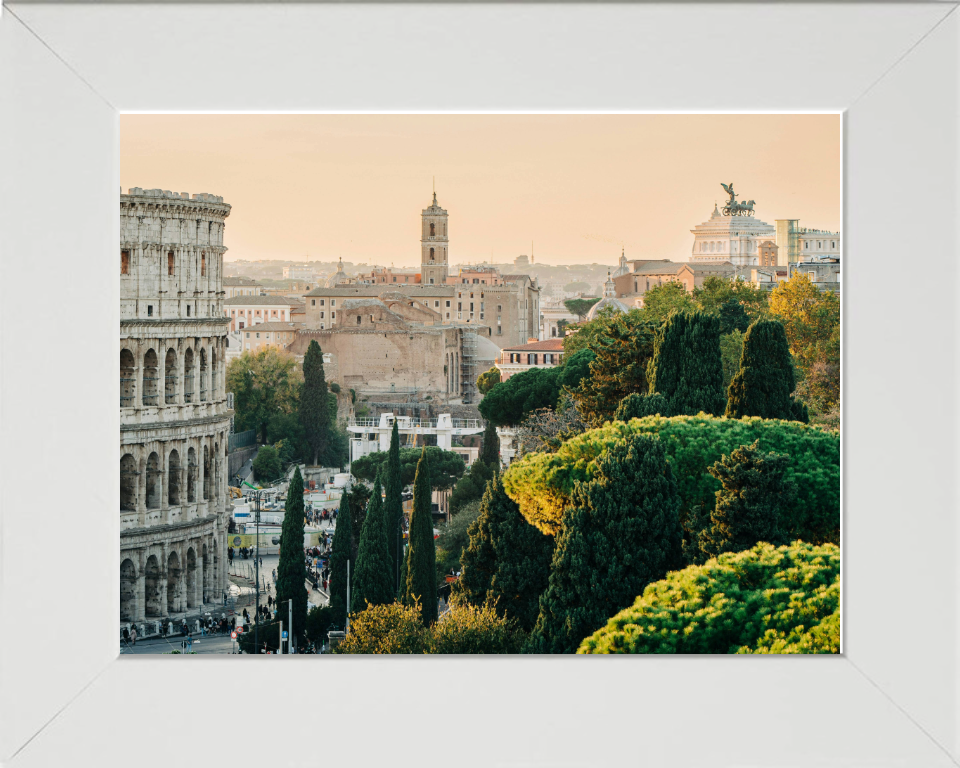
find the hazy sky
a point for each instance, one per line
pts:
(578, 186)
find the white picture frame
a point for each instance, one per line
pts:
(68, 70)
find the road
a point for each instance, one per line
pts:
(208, 644)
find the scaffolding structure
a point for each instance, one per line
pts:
(468, 367)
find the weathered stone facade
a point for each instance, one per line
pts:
(173, 413)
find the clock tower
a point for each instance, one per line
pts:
(433, 245)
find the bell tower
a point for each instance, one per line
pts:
(433, 244)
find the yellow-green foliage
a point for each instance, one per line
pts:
(542, 483)
(763, 600)
(397, 628)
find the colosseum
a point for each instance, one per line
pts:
(173, 411)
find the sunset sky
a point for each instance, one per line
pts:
(579, 186)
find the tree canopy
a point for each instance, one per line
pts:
(762, 600)
(264, 383)
(446, 467)
(488, 380)
(663, 300)
(510, 401)
(580, 307)
(687, 368)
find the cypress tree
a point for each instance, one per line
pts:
(291, 570)
(755, 488)
(765, 382)
(393, 507)
(314, 403)
(490, 450)
(687, 368)
(373, 583)
(339, 557)
(507, 562)
(421, 582)
(733, 317)
(636, 406)
(621, 533)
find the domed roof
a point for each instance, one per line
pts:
(339, 277)
(607, 301)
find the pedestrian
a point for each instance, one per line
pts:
(133, 634)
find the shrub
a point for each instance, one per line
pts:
(510, 401)
(636, 406)
(763, 600)
(266, 465)
(390, 628)
(472, 629)
(542, 483)
(335, 388)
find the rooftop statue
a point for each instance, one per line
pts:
(733, 208)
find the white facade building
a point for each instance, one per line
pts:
(373, 435)
(730, 238)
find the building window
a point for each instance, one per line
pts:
(833, 244)
(471, 306)
(149, 310)
(394, 278)
(499, 330)
(499, 308)
(448, 315)
(459, 306)
(436, 304)
(432, 230)
(432, 257)
(188, 310)
(169, 263)
(358, 320)
(124, 262)
(258, 335)
(203, 264)
(333, 302)
(333, 315)
(321, 302)
(448, 304)
(531, 359)
(431, 281)
(313, 302)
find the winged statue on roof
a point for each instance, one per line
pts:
(733, 208)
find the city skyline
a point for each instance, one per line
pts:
(320, 187)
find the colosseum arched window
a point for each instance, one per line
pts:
(170, 377)
(128, 378)
(203, 375)
(191, 475)
(206, 473)
(188, 374)
(173, 479)
(150, 377)
(128, 483)
(153, 481)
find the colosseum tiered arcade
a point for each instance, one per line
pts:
(173, 414)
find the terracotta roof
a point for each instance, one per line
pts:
(547, 345)
(240, 301)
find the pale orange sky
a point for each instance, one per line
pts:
(578, 186)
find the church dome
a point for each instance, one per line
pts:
(339, 277)
(607, 301)
(623, 269)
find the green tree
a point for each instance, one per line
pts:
(373, 583)
(470, 487)
(716, 291)
(421, 581)
(453, 539)
(543, 483)
(661, 301)
(580, 307)
(291, 570)
(621, 533)
(319, 620)
(264, 383)
(507, 561)
(755, 489)
(687, 368)
(765, 382)
(469, 629)
(575, 368)
(266, 464)
(636, 406)
(490, 446)
(387, 628)
(763, 600)
(585, 335)
(446, 467)
(359, 496)
(810, 317)
(340, 556)
(731, 348)
(314, 402)
(623, 347)
(393, 505)
(488, 380)
(509, 402)
(733, 317)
